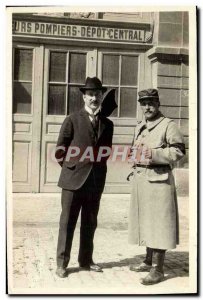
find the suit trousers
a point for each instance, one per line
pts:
(87, 200)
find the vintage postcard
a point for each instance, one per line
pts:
(102, 166)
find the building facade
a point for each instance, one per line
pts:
(52, 56)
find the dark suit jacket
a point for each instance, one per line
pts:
(77, 130)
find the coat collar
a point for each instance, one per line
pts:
(149, 125)
(154, 123)
(102, 123)
(85, 115)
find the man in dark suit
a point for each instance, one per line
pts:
(83, 177)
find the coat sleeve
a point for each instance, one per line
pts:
(109, 139)
(111, 134)
(64, 140)
(106, 142)
(176, 147)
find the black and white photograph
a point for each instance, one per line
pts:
(102, 139)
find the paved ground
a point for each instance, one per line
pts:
(35, 230)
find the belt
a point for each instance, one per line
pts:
(153, 166)
(148, 167)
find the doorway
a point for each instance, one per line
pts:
(52, 75)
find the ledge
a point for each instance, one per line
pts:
(168, 53)
(81, 42)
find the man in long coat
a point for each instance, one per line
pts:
(82, 178)
(153, 220)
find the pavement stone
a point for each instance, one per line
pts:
(34, 240)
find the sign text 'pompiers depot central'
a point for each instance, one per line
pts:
(78, 31)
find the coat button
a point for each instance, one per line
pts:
(138, 172)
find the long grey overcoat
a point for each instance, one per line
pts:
(153, 217)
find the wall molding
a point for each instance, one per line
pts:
(168, 53)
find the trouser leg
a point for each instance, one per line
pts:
(70, 210)
(156, 273)
(146, 264)
(90, 208)
(159, 259)
(149, 255)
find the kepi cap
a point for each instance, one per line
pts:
(148, 94)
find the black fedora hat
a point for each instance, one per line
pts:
(148, 94)
(93, 84)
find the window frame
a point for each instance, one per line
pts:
(66, 83)
(24, 47)
(101, 53)
(130, 121)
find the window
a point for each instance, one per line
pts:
(22, 81)
(67, 72)
(120, 71)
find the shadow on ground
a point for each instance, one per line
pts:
(176, 264)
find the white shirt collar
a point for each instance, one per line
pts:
(90, 111)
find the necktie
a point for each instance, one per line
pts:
(95, 123)
(95, 120)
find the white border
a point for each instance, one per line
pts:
(193, 108)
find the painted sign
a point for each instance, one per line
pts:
(78, 31)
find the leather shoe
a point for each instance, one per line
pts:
(61, 272)
(153, 277)
(95, 268)
(143, 267)
(91, 267)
